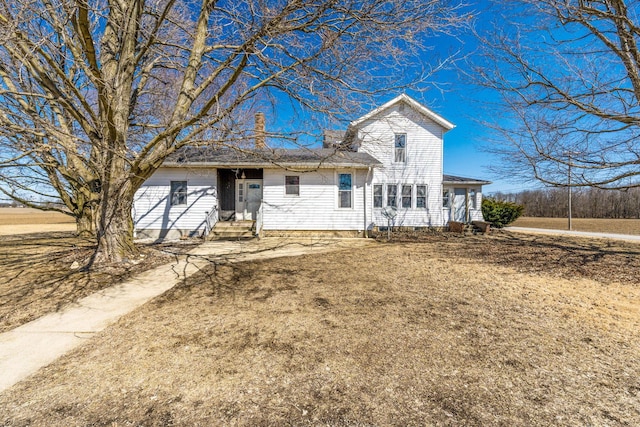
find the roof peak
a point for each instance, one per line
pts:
(415, 105)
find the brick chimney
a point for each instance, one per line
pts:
(259, 131)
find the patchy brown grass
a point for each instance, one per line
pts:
(36, 275)
(505, 330)
(597, 225)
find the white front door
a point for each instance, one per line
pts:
(459, 205)
(248, 198)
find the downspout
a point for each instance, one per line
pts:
(364, 192)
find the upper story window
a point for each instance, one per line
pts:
(400, 150)
(292, 185)
(178, 194)
(377, 195)
(344, 190)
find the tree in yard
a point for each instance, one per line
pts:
(567, 75)
(95, 95)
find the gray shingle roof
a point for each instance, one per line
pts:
(231, 157)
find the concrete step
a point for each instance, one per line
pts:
(230, 235)
(232, 230)
(234, 224)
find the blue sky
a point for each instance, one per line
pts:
(461, 103)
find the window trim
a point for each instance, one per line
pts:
(395, 195)
(402, 197)
(425, 197)
(446, 198)
(381, 195)
(296, 186)
(339, 199)
(174, 187)
(396, 137)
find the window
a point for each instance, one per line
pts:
(240, 192)
(344, 190)
(472, 199)
(446, 195)
(421, 196)
(392, 195)
(406, 196)
(292, 185)
(400, 148)
(178, 195)
(377, 196)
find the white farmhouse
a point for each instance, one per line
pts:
(385, 169)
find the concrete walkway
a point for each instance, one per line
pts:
(29, 347)
(612, 236)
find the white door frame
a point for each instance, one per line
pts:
(243, 210)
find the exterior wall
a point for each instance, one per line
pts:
(153, 214)
(316, 208)
(423, 163)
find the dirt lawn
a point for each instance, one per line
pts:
(36, 274)
(596, 225)
(508, 330)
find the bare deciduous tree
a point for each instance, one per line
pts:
(95, 95)
(568, 78)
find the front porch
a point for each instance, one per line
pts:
(239, 194)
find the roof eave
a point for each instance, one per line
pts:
(248, 165)
(467, 182)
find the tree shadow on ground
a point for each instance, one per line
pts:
(38, 274)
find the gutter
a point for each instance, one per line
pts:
(253, 165)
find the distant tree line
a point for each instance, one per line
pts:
(585, 202)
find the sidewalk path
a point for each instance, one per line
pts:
(31, 346)
(627, 237)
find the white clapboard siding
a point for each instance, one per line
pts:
(152, 210)
(316, 208)
(423, 164)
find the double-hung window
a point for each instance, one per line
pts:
(178, 194)
(292, 185)
(392, 195)
(406, 196)
(344, 190)
(377, 195)
(421, 196)
(446, 198)
(400, 148)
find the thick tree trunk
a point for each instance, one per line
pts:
(115, 229)
(85, 223)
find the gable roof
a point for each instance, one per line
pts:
(270, 158)
(415, 105)
(452, 179)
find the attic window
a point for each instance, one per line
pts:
(400, 148)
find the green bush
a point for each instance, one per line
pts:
(500, 213)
